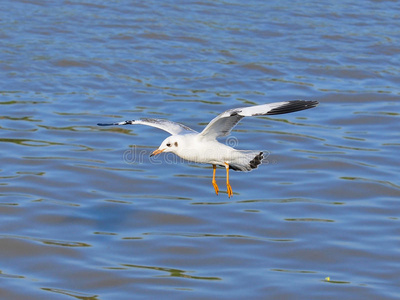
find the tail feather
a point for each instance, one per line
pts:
(248, 161)
(257, 160)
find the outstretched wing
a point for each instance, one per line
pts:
(168, 126)
(223, 123)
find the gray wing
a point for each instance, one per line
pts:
(223, 123)
(168, 126)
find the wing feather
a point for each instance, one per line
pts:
(224, 123)
(166, 125)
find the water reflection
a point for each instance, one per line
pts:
(172, 272)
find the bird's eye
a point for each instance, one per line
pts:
(176, 144)
(169, 144)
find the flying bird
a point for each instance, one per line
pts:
(204, 147)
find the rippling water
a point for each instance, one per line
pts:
(86, 214)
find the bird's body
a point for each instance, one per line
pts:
(195, 148)
(204, 147)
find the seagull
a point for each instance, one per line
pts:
(203, 147)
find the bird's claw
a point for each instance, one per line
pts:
(229, 190)
(215, 187)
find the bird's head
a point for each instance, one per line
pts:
(170, 144)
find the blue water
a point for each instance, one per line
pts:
(86, 214)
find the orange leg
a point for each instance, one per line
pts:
(228, 186)
(213, 180)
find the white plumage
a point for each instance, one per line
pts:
(203, 147)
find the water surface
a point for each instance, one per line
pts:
(86, 214)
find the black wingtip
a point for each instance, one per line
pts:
(130, 122)
(292, 106)
(311, 103)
